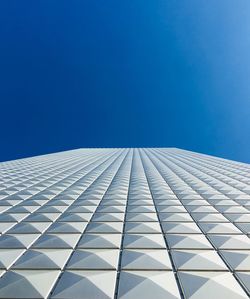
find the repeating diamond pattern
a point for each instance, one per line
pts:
(125, 224)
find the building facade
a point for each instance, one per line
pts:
(153, 223)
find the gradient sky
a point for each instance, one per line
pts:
(125, 73)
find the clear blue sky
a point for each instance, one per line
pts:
(125, 73)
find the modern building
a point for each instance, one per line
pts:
(155, 223)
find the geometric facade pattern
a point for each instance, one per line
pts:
(146, 223)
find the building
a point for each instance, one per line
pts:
(155, 223)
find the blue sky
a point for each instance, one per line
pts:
(128, 73)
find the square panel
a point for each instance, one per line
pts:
(32, 284)
(180, 228)
(100, 241)
(209, 285)
(94, 259)
(238, 260)
(55, 241)
(85, 285)
(192, 241)
(105, 227)
(143, 241)
(147, 285)
(142, 228)
(139, 259)
(43, 259)
(198, 260)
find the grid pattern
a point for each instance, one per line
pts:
(125, 224)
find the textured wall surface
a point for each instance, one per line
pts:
(125, 223)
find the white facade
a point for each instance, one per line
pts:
(154, 223)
